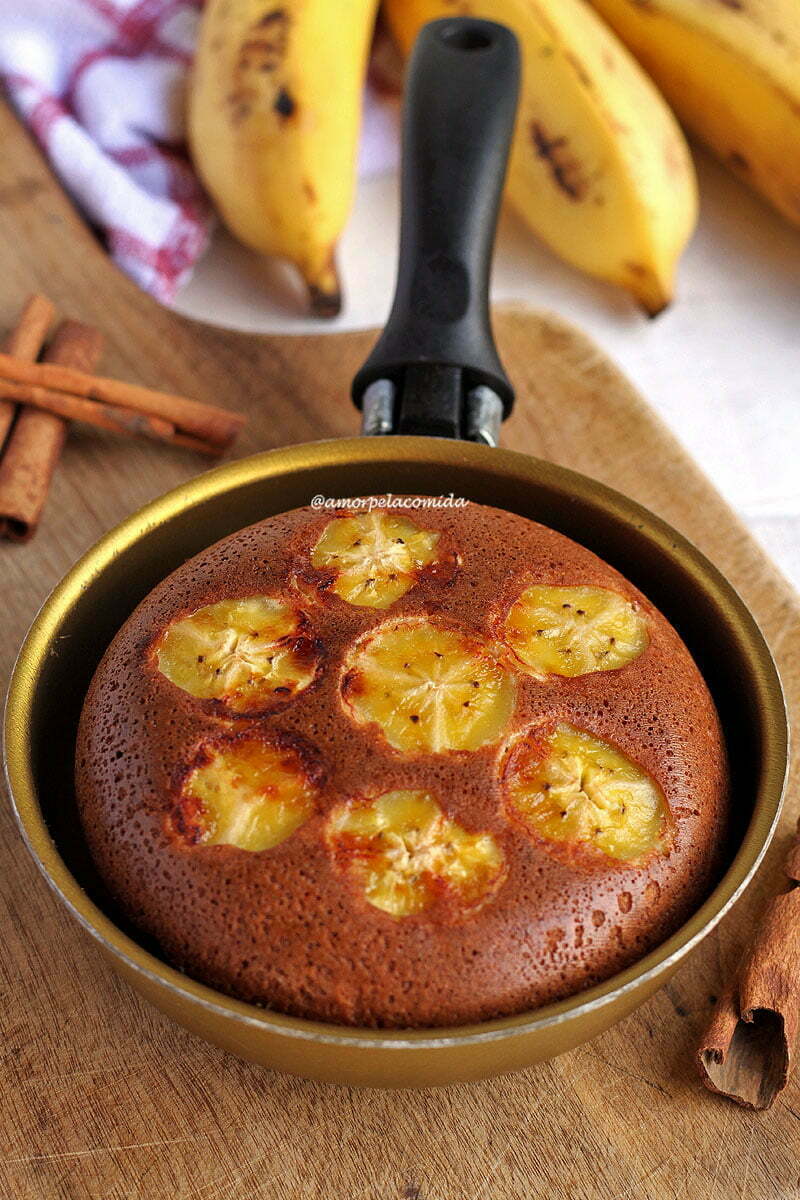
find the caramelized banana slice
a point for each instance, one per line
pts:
(375, 558)
(246, 655)
(574, 630)
(403, 851)
(428, 688)
(246, 792)
(573, 789)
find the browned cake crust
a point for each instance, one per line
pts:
(284, 927)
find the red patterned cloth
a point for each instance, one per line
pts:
(102, 84)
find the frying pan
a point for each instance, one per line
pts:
(433, 394)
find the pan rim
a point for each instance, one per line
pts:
(294, 459)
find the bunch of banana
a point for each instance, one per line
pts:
(731, 71)
(599, 168)
(274, 116)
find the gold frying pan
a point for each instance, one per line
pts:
(434, 372)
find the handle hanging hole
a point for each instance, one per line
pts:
(466, 37)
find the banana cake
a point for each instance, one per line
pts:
(401, 767)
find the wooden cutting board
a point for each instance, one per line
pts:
(102, 1098)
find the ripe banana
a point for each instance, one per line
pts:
(599, 167)
(274, 115)
(731, 69)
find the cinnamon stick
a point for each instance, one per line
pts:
(34, 447)
(103, 416)
(25, 341)
(217, 426)
(746, 1051)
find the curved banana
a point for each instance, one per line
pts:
(732, 72)
(274, 116)
(599, 168)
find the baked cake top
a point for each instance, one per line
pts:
(402, 767)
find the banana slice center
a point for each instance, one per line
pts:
(403, 852)
(376, 557)
(574, 631)
(249, 794)
(428, 688)
(246, 654)
(574, 789)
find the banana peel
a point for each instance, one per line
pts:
(731, 71)
(599, 167)
(274, 118)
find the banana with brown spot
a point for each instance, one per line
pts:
(731, 70)
(274, 116)
(599, 167)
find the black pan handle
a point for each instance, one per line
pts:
(435, 368)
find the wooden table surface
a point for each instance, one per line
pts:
(102, 1098)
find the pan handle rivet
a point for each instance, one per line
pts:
(377, 412)
(484, 415)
